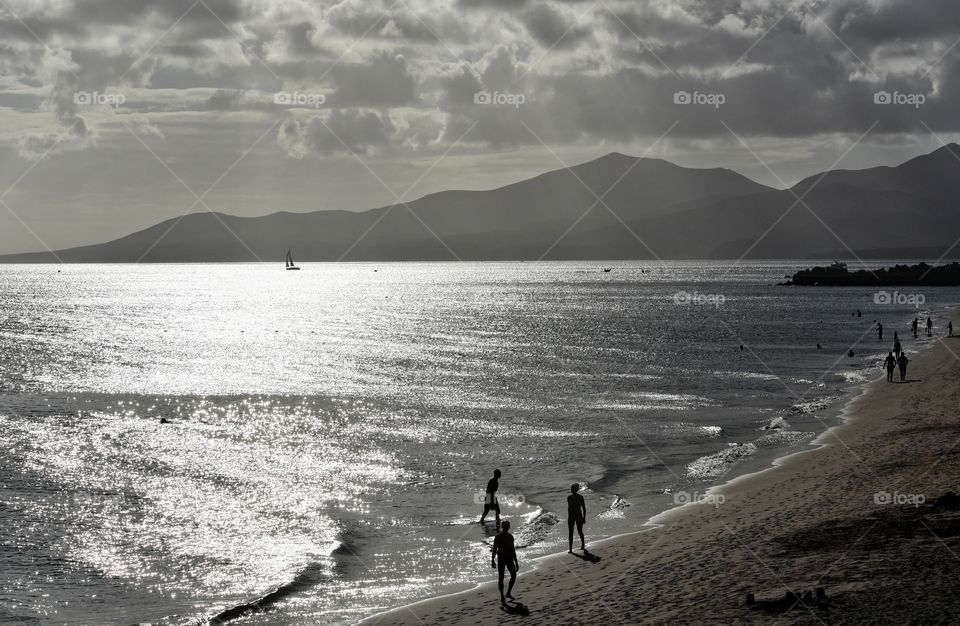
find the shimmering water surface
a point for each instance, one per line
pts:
(331, 427)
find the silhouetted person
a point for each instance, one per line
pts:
(897, 348)
(859, 314)
(929, 326)
(490, 502)
(890, 361)
(950, 328)
(902, 362)
(880, 331)
(576, 515)
(504, 556)
(896, 337)
(914, 326)
(850, 354)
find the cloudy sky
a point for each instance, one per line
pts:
(117, 114)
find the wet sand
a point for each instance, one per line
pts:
(819, 518)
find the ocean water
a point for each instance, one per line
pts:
(332, 429)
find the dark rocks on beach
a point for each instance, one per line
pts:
(837, 275)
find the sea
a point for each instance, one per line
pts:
(181, 444)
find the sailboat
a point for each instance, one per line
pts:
(290, 265)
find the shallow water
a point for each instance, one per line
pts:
(332, 427)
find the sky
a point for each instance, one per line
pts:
(118, 114)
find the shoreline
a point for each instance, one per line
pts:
(479, 601)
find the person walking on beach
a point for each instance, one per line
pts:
(890, 361)
(576, 515)
(880, 331)
(902, 362)
(504, 556)
(916, 322)
(929, 326)
(950, 328)
(897, 348)
(490, 502)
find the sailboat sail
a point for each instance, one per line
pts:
(290, 265)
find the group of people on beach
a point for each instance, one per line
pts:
(897, 358)
(503, 555)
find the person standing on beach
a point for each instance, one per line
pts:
(897, 348)
(504, 556)
(880, 331)
(929, 326)
(890, 361)
(490, 502)
(915, 324)
(576, 515)
(950, 328)
(902, 362)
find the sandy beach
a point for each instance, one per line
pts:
(842, 516)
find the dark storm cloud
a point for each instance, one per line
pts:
(886, 22)
(397, 23)
(130, 12)
(384, 80)
(552, 29)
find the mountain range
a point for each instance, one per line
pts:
(614, 207)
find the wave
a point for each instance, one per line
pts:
(782, 437)
(309, 576)
(654, 401)
(616, 510)
(716, 464)
(777, 423)
(536, 530)
(812, 406)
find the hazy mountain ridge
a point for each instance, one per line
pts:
(650, 208)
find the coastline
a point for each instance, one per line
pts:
(762, 529)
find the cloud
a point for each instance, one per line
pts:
(553, 29)
(384, 80)
(350, 131)
(72, 132)
(405, 75)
